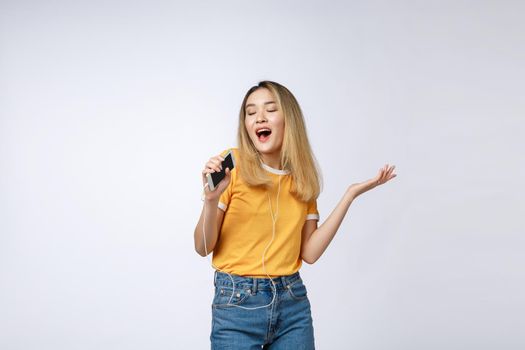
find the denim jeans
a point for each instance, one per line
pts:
(239, 322)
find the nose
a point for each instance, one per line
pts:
(261, 117)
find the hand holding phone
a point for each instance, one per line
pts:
(215, 178)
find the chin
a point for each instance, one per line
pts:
(265, 148)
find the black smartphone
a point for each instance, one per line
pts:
(215, 178)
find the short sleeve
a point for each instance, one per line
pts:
(224, 199)
(311, 211)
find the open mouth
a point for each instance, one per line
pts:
(263, 134)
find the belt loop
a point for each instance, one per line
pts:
(284, 281)
(254, 288)
(215, 278)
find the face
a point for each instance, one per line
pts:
(264, 123)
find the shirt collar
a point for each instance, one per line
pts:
(274, 171)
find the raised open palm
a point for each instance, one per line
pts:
(384, 175)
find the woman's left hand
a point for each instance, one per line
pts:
(385, 174)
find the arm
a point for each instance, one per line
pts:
(211, 217)
(315, 240)
(214, 217)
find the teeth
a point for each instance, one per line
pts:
(262, 130)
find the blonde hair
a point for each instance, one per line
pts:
(296, 153)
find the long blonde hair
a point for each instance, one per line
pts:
(296, 153)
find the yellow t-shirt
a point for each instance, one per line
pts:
(247, 226)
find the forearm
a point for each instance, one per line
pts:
(322, 236)
(209, 213)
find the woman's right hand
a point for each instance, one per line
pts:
(213, 165)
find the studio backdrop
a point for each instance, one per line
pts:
(110, 109)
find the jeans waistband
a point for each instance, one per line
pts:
(281, 282)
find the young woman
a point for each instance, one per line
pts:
(261, 223)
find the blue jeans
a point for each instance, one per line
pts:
(285, 324)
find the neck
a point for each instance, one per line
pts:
(272, 160)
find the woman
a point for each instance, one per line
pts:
(261, 223)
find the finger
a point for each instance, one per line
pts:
(208, 169)
(390, 171)
(216, 162)
(381, 173)
(204, 180)
(385, 172)
(212, 166)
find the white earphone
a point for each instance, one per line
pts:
(274, 220)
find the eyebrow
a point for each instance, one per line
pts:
(253, 104)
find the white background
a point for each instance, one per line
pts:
(109, 110)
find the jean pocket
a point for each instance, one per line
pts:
(297, 290)
(223, 296)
